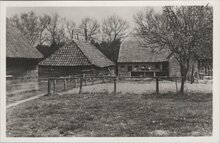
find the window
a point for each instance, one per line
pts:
(122, 66)
(157, 66)
(129, 68)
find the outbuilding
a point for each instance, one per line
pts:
(21, 57)
(76, 58)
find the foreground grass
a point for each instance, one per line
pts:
(113, 115)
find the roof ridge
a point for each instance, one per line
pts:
(82, 52)
(89, 47)
(99, 51)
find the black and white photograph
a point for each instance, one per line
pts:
(110, 71)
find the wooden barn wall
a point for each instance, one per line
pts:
(22, 68)
(54, 71)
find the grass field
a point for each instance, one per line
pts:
(104, 114)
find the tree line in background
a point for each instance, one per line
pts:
(54, 31)
(186, 31)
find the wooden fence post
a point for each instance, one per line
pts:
(176, 86)
(80, 86)
(103, 79)
(75, 81)
(49, 87)
(54, 86)
(85, 80)
(65, 84)
(115, 85)
(157, 85)
(92, 80)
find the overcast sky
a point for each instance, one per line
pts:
(78, 13)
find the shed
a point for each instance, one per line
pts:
(76, 58)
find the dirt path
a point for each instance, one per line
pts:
(25, 100)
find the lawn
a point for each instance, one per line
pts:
(109, 115)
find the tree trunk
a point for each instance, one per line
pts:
(86, 36)
(192, 75)
(183, 79)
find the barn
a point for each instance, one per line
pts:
(137, 59)
(76, 58)
(21, 57)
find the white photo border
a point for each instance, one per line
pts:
(216, 69)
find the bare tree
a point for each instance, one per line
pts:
(89, 28)
(70, 27)
(55, 29)
(43, 23)
(27, 23)
(181, 30)
(114, 28)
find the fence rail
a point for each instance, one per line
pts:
(78, 82)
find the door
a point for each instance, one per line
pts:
(129, 68)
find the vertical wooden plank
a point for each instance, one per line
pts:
(157, 85)
(49, 87)
(80, 86)
(176, 86)
(115, 85)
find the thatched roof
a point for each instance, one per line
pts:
(77, 53)
(17, 46)
(134, 50)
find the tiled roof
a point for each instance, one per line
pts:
(17, 46)
(133, 50)
(77, 53)
(93, 54)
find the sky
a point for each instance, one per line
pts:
(78, 13)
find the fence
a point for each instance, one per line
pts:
(19, 89)
(79, 82)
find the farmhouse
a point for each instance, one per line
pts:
(21, 58)
(76, 58)
(137, 59)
